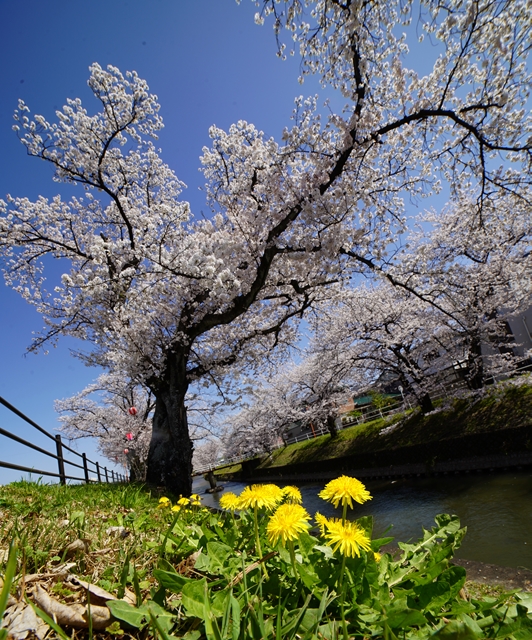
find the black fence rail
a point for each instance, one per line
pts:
(102, 473)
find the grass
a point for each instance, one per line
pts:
(504, 406)
(119, 527)
(111, 536)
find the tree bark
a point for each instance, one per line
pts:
(331, 426)
(170, 455)
(425, 402)
(475, 364)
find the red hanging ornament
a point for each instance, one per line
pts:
(132, 411)
(129, 436)
(126, 451)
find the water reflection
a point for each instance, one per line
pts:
(496, 508)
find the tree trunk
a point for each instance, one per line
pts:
(425, 402)
(331, 426)
(475, 364)
(170, 455)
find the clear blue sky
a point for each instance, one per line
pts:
(208, 63)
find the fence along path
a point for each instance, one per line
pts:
(102, 473)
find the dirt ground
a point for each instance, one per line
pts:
(484, 573)
(508, 577)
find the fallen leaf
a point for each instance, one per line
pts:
(57, 572)
(117, 531)
(73, 615)
(93, 589)
(22, 620)
(77, 545)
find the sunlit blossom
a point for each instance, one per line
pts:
(292, 494)
(344, 490)
(164, 502)
(183, 502)
(261, 496)
(230, 501)
(349, 538)
(288, 522)
(321, 521)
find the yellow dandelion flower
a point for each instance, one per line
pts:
(348, 537)
(176, 507)
(184, 502)
(288, 522)
(164, 502)
(344, 490)
(195, 500)
(377, 556)
(260, 496)
(321, 521)
(230, 501)
(292, 494)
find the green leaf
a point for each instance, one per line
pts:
(8, 577)
(366, 523)
(193, 598)
(325, 549)
(128, 613)
(218, 554)
(306, 543)
(165, 619)
(456, 630)
(171, 580)
(400, 616)
(431, 596)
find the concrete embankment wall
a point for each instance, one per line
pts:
(507, 448)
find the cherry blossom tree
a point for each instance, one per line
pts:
(382, 329)
(474, 267)
(172, 300)
(118, 414)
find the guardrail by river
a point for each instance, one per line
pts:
(102, 473)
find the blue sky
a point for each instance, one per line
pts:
(208, 63)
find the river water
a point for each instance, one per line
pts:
(495, 507)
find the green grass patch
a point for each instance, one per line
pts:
(198, 575)
(504, 406)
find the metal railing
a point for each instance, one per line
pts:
(441, 391)
(102, 473)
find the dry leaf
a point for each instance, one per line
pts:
(73, 615)
(58, 572)
(77, 545)
(93, 589)
(117, 531)
(22, 620)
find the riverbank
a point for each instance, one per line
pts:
(479, 432)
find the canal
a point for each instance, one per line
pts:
(496, 508)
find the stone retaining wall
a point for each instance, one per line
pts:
(508, 448)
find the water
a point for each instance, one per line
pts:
(496, 508)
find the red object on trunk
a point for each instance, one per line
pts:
(129, 436)
(132, 411)
(126, 451)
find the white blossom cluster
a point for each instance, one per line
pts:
(169, 300)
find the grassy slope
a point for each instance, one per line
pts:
(504, 407)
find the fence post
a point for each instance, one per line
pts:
(106, 476)
(113, 475)
(98, 472)
(85, 468)
(60, 461)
